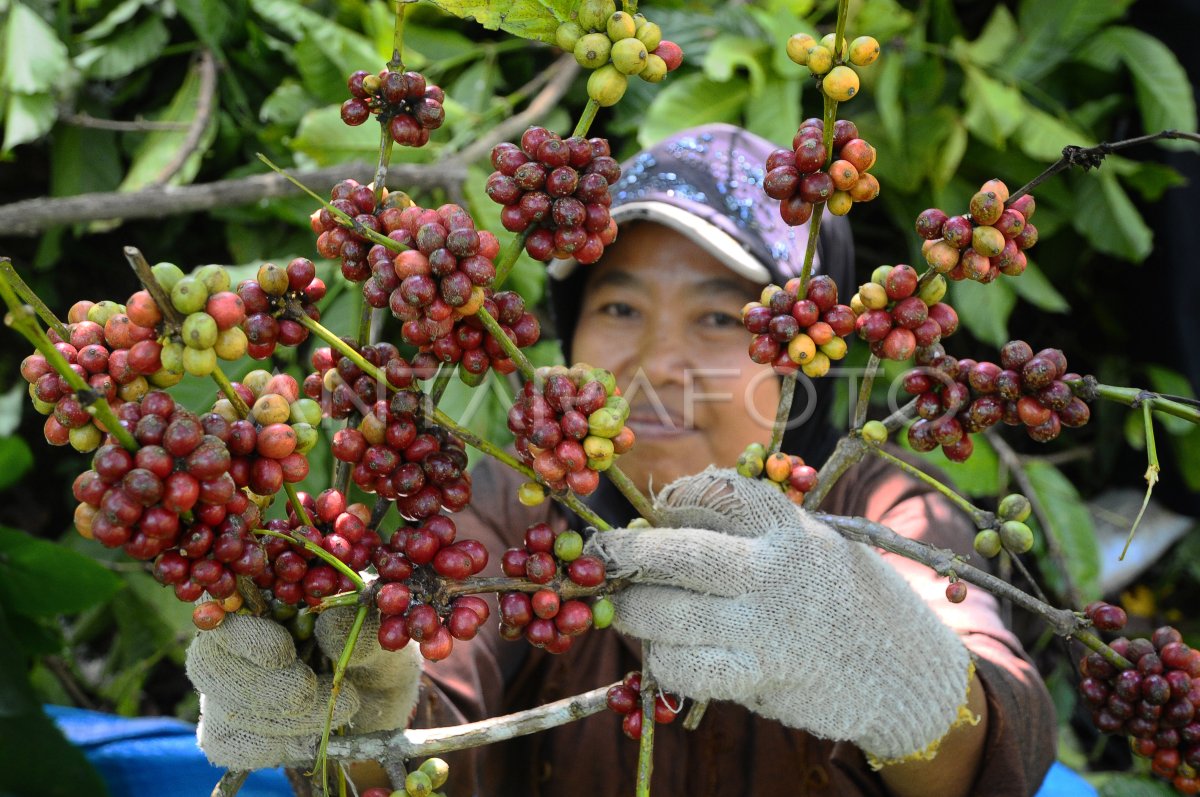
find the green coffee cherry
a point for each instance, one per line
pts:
(594, 14)
(303, 625)
(568, 546)
(418, 784)
(880, 274)
(189, 295)
(874, 432)
(256, 380)
(199, 362)
(629, 56)
(214, 277)
(567, 34)
(649, 34)
(85, 438)
(638, 523)
(199, 331)
(607, 86)
(531, 494)
(100, 312)
(602, 613)
(987, 543)
(619, 404)
(437, 770)
(605, 422)
(591, 51)
(166, 275)
(934, 290)
(605, 378)
(273, 279)
(282, 612)
(306, 437)
(655, 71)
(1016, 536)
(620, 26)
(1015, 507)
(305, 410)
(231, 344)
(750, 465)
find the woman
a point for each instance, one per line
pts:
(836, 670)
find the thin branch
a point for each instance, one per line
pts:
(66, 678)
(30, 297)
(141, 268)
(204, 109)
(1091, 157)
(848, 453)
(230, 783)
(646, 742)
(138, 125)
(391, 745)
(981, 518)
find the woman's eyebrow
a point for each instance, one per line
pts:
(613, 278)
(724, 285)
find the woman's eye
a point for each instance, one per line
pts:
(720, 320)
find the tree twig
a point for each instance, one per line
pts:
(388, 745)
(138, 125)
(230, 783)
(204, 108)
(1091, 157)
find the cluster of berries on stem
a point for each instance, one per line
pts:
(896, 314)
(835, 76)
(799, 327)
(991, 240)
(799, 179)
(409, 107)
(788, 472)
(625, 699)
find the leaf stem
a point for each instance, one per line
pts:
(29, 297)
(632, 494)
(864, 392)
(1151, 476)
(981, 518)
(646, 744)
(339, 674)
(589, 111)
(1089, 389)
(508, 257)
(317, 551)
(232, 395)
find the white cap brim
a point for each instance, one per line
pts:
(718, 243)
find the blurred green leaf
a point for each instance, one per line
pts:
(39, 578)
(287, 104)
(690, 101)
(1119, 784)
(435, 44)
(27, 117)
(1173, 383)
(1033, 287)
(994, 110)
(950, 156)
(1108, 219)
(74, 145)
(1186, 461)
(1071, 525)
(475, 87)
(881, 19)
(774, 113)
(1164, 92)
(729, 53)
(15, 460)
(129, 50)
(12, 404)
(212, 20)
(34, 59)
(1042, 136)
(1051, 31)
(325, 139)
(979, 475)
(113, 20)
(529, 19)
(160, 147)
(996, 39)
(984, 309)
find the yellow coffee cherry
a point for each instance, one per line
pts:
(864, 50)
(655, 70)
(827, 42)
(798, 45)
(820, 60)
(607, 86)
(649, 34)
(841, 83)
(839, 203)
(629, 56)
(199, 362)
(818, 367)
(873, 295)
(565, 36)
(231, 344)
(531, 494)
(801, 349)
(835, 349)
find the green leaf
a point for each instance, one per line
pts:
(774, 113)
(347, 50)
(324, 138)
(728, 53)
(529, 19)
(113, 20)
(1108, 219)
(40, 578)
(12, 404)
(1186, 461)
(27, 117)
(34, 60)
(15, 460)
(1152, 180)
(994, 110)
(1042, 136)
(690, 101)
(475, 87)
(128, 51)
(1160, 83)
(35, 757)
(984, 309)
(286, 105)
(160, 147)
(887, 99)
(1129, 785)
(1033, 287)
(211, 20)
(950, 156)
(71, 146)
(883, 19)
(996, 39)
(1172, 383)
(979, 475)
(434, 44)
(1071, 525)
(1050, 32)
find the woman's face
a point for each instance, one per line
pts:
(665, 317)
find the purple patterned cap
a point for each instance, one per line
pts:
(706, 182)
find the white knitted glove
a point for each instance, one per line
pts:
(747, 598)
(261, 707)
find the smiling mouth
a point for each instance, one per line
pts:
(648, 422)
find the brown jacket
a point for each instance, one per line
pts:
(733, 752)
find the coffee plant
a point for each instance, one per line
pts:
(208, 495)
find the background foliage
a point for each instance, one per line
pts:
(966, 90)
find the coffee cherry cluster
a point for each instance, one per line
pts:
(270, 446)
(296, 575)
(837, 80)
(335, 241)
(570, 426)
(403, 102)
(788, 472)
(793, 331)
(958, 398)
(625, 699)
(405, 565)
(424, 471)
(616, 44)
(139, 501)
(440, 280)
(274, 300)
(799, 179)
(211, 328)
(559, 188)
(1012, 534)
(93, 353)
(342, 387)
(988, 242)
(896, 315)
(421, 782)
(1154, 703)
(544, 618)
